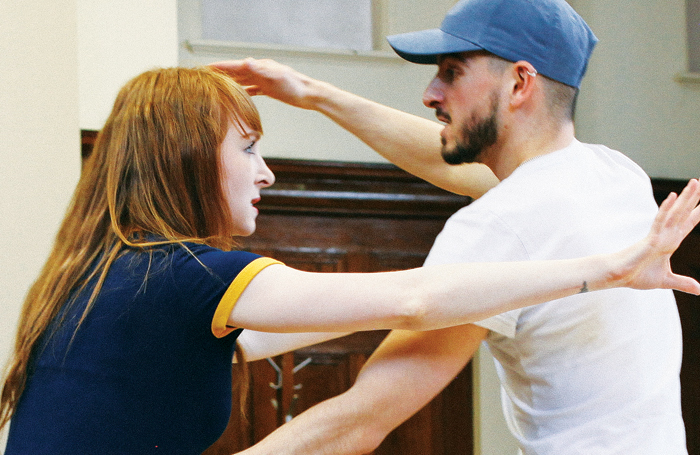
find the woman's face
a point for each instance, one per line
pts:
(244, 173)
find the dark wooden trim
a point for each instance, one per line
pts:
(354, 189)
(87, 142)
(662, 187)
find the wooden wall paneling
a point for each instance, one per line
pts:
(686, 261)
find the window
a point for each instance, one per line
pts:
(326, 24)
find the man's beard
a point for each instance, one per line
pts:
(474, 140)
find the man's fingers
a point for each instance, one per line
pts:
(252, 90)
(239, 70)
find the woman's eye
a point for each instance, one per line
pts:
(250, 149)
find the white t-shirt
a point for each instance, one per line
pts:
(595, 373)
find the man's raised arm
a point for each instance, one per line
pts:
(410, 142)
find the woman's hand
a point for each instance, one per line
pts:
(647, 264)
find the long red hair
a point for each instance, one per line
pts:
(154, 171)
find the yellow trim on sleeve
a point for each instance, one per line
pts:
(219, 323)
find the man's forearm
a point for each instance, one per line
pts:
(411, 142)
(332, 427)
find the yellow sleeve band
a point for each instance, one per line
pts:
(219, 323)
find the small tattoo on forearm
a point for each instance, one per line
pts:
(584, 288)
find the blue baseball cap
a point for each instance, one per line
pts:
(549, 34)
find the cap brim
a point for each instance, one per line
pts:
(425, 46)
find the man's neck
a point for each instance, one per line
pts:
(513, 153)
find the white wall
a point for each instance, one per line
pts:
(117, 41)
(39, 142)
(629, 98)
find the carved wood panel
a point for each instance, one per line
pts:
(686, 261)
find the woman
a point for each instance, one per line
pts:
(126, 338)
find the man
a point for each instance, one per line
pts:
(598, 374)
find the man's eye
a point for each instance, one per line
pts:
(449, 74)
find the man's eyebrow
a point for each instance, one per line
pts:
(459, 56)
(463, 57)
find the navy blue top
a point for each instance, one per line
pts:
(144, 373)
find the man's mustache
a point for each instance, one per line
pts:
(442, 115)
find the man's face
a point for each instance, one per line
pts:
(464, 96)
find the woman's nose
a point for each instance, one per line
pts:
(266, 176)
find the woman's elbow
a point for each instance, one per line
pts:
(413, 313)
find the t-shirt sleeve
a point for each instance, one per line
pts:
(203, 287)
(219, 325)
(474, 234)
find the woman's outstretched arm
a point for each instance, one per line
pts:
(282, 299)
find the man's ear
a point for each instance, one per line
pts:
(524, 77)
